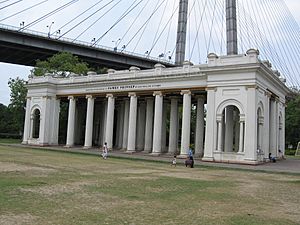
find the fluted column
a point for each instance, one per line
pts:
(173, 126)
(27, 121)
(121, 126)
(89, 122)
(132, 122)
(110, 120)
(199, 127)
(220, 135)
(141, 125)
(241, 139)
(186, 122)
(228, 129)
(149, 125)
(156, 149)
(126, 122)
(71, 122)
(164, 128)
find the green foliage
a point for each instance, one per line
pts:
(63, 64)
(292, 118)
(13, 118)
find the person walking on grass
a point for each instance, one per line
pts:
(174, 161)
(104, 151)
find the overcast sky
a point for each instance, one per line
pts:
(10, 70)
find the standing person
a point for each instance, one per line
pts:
(104, 151)
(174, 161)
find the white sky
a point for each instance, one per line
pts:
(11, 71)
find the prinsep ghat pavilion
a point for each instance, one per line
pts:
(239, 102)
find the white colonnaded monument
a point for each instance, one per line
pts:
(239, 100)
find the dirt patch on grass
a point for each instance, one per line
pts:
(13, 167)
(19, 219)
(50, 190)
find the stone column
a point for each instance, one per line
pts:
(199, 127)
(121, 126)
(71, 122)
(173, 126)
(141, 125)
(89, 122)
(126, 122)
(220, 135)
(228, 129)
(132, 122)
(273, 127)
(110, 120)
(156, 149)
(27, 121)
(149, 125)
(186, 122)
(164, 128)
(241, 139)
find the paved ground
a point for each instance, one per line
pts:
(286, 166)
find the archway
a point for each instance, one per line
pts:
(36, 123)
(231, 127)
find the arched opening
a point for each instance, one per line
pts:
(231, 127)
(259, 127)
(36, 123)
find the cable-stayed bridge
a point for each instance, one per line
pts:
(148, 28)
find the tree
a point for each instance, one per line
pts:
(63, 64)
(292, 119)
(18, 92)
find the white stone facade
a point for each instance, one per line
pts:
(242, 97)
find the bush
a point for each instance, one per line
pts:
(290, 151)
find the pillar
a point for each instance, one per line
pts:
(186, 122)
(158, 111)
(149, 125)
(71, 122)
(89, 122)
(228, 129)
(132, 122)
(199, 127)
(141, 125)
(164, 128)
(220, 135)
(126, 122)
(231, 27)
(110, 120)
(173, 126)
(27, 122)
(241, 139)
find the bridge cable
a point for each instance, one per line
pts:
(164, 28)
(145, 25)
(48, 14)
(30, 7)
(198, 27)
(127, 11)
(99, 18)
(4, 1)
(133, 22)
(168, 35)
(59, 29)
(11, 4)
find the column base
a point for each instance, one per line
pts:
(130, 151)
(182, 156)
(208, 159)
(87, 147)
(24, 142)
(155, 153)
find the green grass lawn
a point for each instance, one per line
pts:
(45, 187)
(10, 141)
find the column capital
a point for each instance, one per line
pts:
(130, 94)
(183, 92)
(157, 93)
(28, 98)
(251, 87)
(109, 95)
(202, 97)
(89, 96)
(268, 94)
(211, 89)
(71, 97)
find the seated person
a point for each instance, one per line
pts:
(271, 158)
